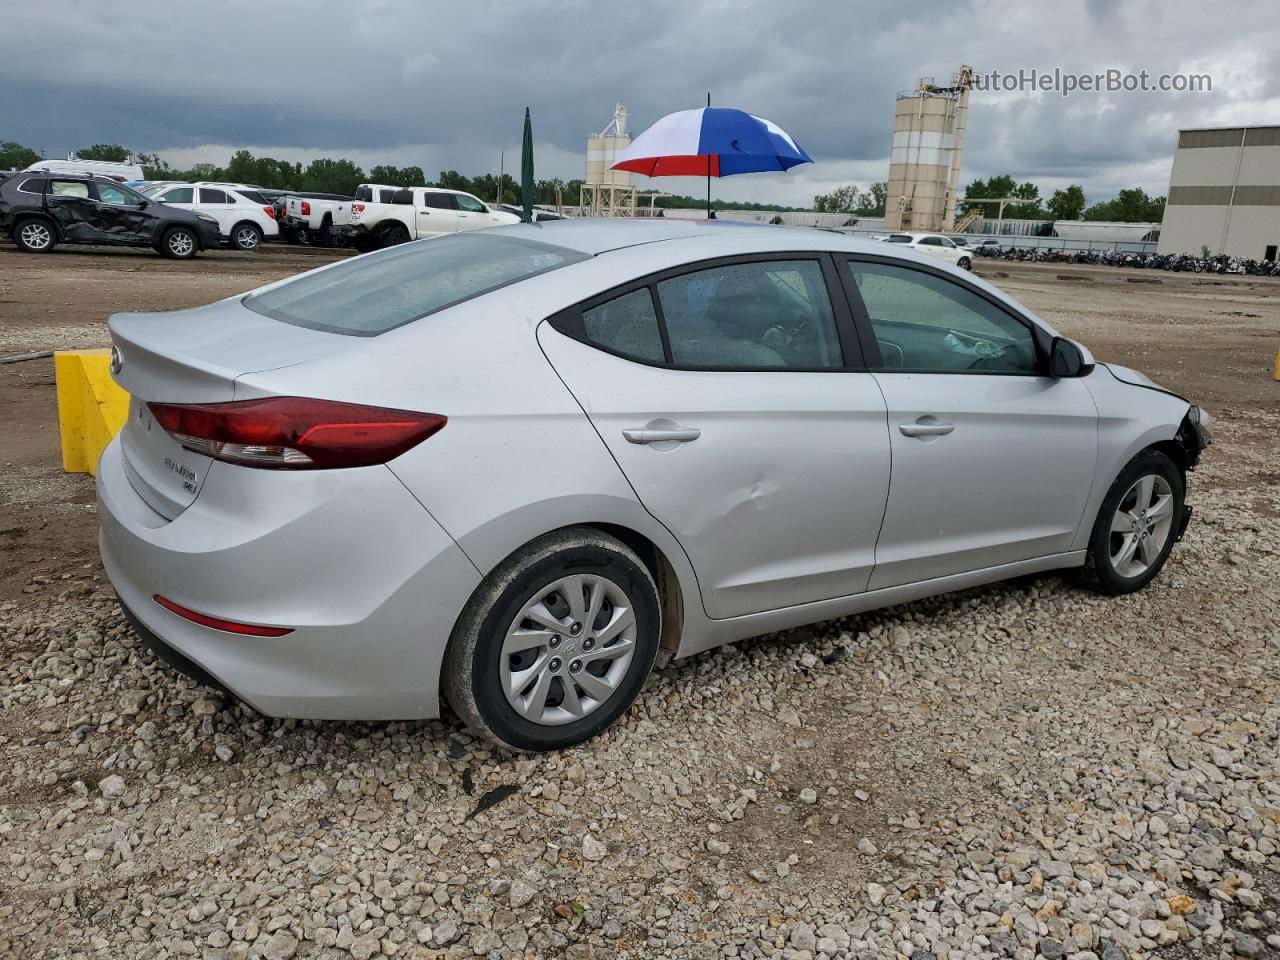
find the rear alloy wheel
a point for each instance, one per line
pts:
(34, 236)
(1137, 524)
(556, 643)
(179, 243)
(246, 237)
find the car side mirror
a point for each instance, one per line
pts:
(1066, 359)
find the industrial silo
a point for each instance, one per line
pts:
(924, 163)
(605, 192)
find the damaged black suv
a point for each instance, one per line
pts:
(40, 210)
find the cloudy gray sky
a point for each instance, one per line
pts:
(444, 85)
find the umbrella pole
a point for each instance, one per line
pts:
(708, 169)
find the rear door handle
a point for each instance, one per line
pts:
(677, 434)
(925, 429)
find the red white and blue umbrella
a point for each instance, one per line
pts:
(711, 142)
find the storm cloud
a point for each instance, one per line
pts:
(444, 86)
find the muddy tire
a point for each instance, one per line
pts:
(556, 643)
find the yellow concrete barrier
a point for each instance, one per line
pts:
(91, 408)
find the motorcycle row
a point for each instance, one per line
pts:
(1142, 261)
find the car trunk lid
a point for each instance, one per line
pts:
(193, 356)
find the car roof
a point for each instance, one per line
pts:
(595, 236)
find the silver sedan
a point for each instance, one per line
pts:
(509, 467)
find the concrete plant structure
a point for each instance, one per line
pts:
(924, 163)
(605, 192)
(1224, 193)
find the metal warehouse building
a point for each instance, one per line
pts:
(1224, 193)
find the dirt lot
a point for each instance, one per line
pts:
(1020, 771)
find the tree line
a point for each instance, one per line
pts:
(1069, 203)
(1129, 206)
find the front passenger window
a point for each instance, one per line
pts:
(928, 323)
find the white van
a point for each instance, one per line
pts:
(117, 171)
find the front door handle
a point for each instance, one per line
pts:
(676, 434)
(925, 429)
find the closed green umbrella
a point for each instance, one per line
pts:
(526, 169)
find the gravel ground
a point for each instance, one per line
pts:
(1022, 771)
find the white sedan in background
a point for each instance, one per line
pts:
(935, 245)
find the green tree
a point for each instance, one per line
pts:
(453, 180)
(1005, 186)
(14, 156)
(873, 201)
(326, 175)
(1067, 204)
(153, 168)
(111, 152)
(844, 199)
(1129, 206)
(398, 176)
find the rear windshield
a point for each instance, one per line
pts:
(371, 295)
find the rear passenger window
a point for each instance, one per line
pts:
(438, 201)
(212, 196)
(69, 188)
(773, 313)
(181, 195)
(34, 185)
(626, 325)
(253, 196)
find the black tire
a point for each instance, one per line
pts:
(245, 236)
(394, 235)
(1100, 570)
(324, 236)
(473, 664)
(175, 247)
(364, 243)
(34, 235)
(965, 263)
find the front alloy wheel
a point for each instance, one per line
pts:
(1137, 524)
(1141, 525)
(179, 244)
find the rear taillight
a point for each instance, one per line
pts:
(357, 208)
(295, 433)
(306, 209)
(270, 212)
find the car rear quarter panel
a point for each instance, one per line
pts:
(518, 457)
(1130, 419)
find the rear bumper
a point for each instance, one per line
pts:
(367, 581)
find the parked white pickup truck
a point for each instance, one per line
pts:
(320, 218)
(418, 212)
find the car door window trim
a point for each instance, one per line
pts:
(570, 323)
(871, 347)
